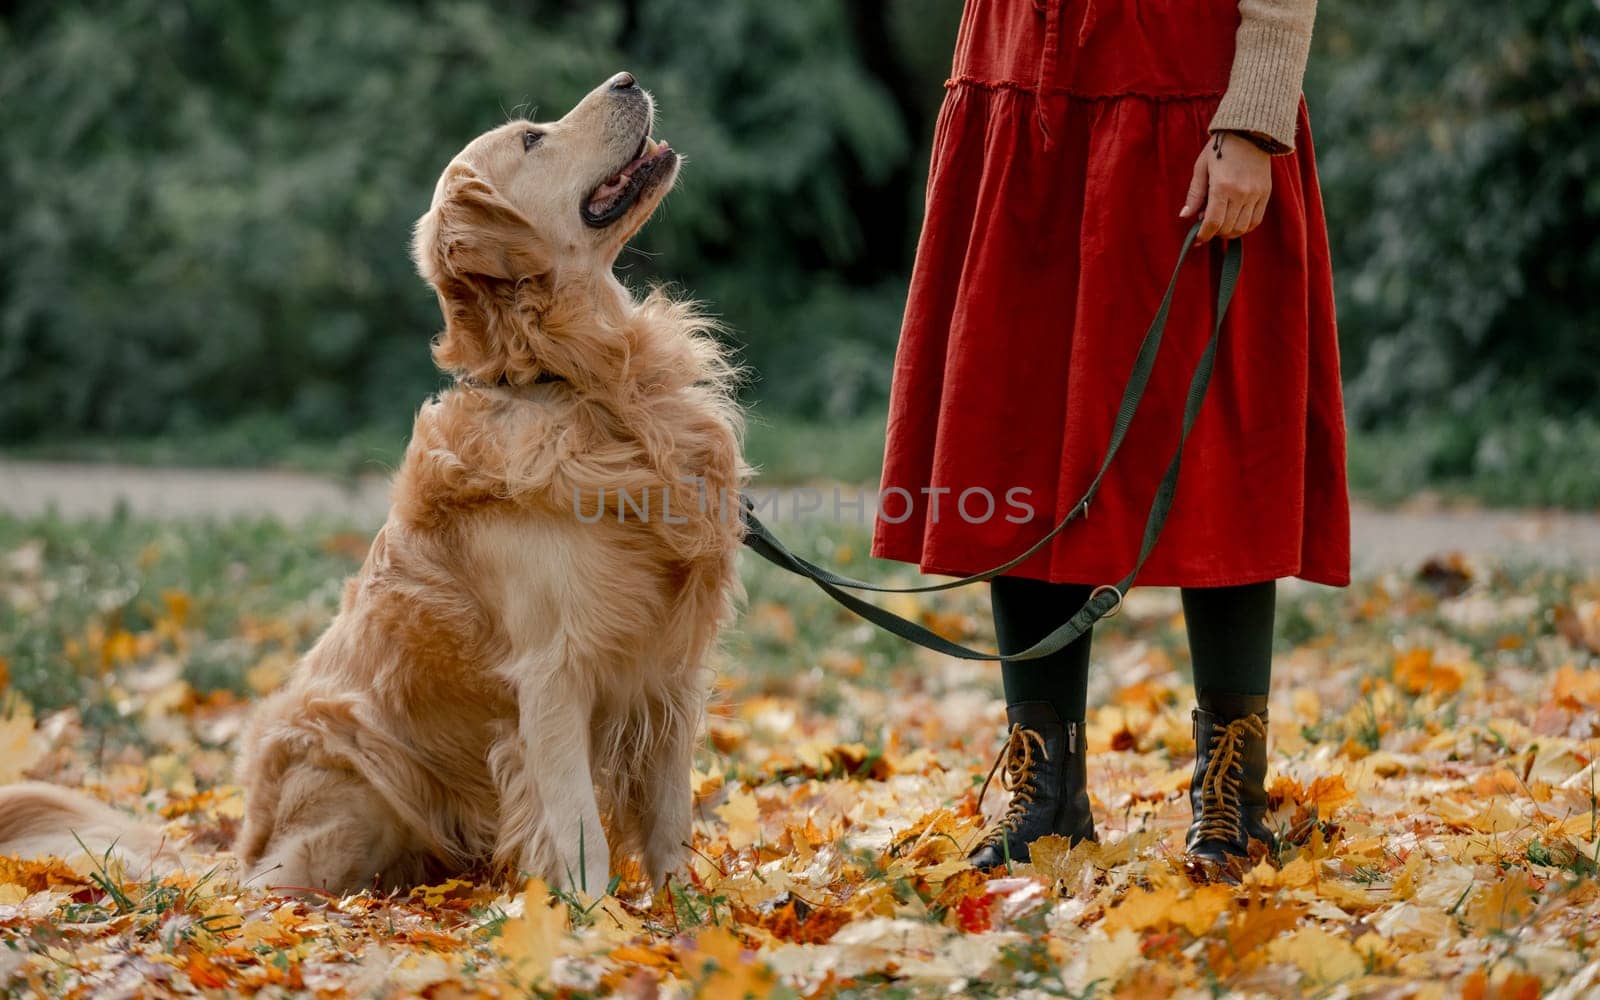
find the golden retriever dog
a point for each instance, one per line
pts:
(520, 665)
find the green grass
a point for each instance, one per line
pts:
(1503, 457)
(89, 607)
(255, 442)
(784, 449)
(217, 597)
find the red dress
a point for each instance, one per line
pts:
(1062, 155)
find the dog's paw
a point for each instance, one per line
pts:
(661, 861)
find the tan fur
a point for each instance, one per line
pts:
(38, 819)
(502, 672)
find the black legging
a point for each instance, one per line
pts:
(1230, 640)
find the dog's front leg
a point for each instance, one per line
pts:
(668, 800)
(553, 724)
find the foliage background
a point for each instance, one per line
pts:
(207, 203)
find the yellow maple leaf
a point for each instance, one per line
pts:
(280, 929)
(1139, 910)
(1198, 913)
(1324, 958)
(1497, 817)
(450, 888)
(1249, 929)
(1153, 909)
(1057, 858)
(1405, 880)
(1297, 874)
(531, 942)
(742, 814)
(725, 972)
(1353, 897)
(1503, 905)
(1108, 962)
(1126, 849)
(17, 749)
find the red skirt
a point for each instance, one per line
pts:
(1061, 158)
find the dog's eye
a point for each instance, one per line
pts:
(530, 139)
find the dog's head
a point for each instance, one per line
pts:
(531, 198)
(538, 207)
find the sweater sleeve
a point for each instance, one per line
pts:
(1269, 66)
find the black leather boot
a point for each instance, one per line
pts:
(1228, 794)
(1043, 767)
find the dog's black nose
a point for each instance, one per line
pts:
(623, 81)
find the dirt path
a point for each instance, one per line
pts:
(1382, 538)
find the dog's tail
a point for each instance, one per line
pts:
(39, 820)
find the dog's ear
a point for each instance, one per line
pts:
(473, 232)
(492, 273)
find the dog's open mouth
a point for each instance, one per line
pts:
(622, 190)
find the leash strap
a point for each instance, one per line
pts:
(1104, 600)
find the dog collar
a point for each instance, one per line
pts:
(543, 378)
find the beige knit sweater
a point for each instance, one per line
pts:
(1269, 65)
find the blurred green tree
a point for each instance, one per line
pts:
(206, 204)
(1459, 147)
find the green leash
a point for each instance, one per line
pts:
(1105, 600)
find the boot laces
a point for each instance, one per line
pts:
(1220, 785)
(1016, 768)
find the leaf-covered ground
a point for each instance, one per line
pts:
(1433, 778)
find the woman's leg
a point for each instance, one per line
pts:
(1026, 611)
(1043, 763)
(1230, 636)
(1230, 643)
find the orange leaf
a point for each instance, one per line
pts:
(1520, 986)
(1416, 672)
(975, 913)
(37, 876)
(1576, 688)
(1328, 792)
(120, 647)
(1496, 782)
(637, 954)
(1248, 930)
(177, 604)
(1580, 624)
(726, 972)
(204, 973)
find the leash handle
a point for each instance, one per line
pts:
(1103, 600)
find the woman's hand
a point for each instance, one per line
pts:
(1232, 183)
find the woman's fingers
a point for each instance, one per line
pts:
(1259, 214)
(1239, 212)
(1198, 185)
(1232, 190)
(1251, 212)
(1217, 207)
